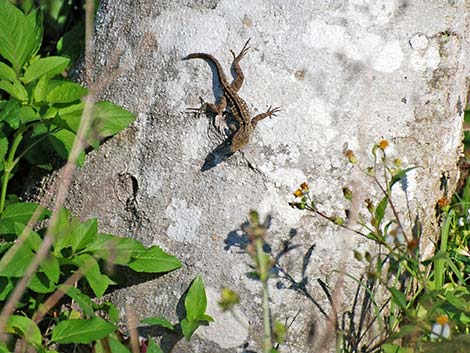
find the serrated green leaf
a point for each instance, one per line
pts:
(158, 321)
(118, 347)
(51, 268)
(154, 260)
(12, 108)
(119, 250)
(40, 90)
(62, 141)
(152, 347)
(84, 234)
(49, 66)
(83, 300)
(61, 231)
(195, 301)
(7, 73)
(109, 119)
(16, 265)
(69, 117)
(25, 327)
(97, 281)
(40, 283)
(27, 114)
(64, 92)
(81, 331)
(23, 211)
(14, 89)
(20, 35)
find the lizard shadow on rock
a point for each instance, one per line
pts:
(218, 155)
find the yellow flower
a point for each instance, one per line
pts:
(302, 190)
(383, 144)
(441, 328)
(298, 193)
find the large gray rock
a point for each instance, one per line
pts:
(344, 72)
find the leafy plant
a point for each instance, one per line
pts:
(425, 295)
(51, 270)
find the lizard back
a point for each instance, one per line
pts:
(237, 105)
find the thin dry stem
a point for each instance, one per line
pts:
(132, 327)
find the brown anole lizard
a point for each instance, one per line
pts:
(238, 107)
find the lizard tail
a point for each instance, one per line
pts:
(209, 58)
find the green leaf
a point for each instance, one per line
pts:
(97, 281)
(380, 210)
(83, 300)
(6, 287)
(40, 90)
(15, 89)
(152, 347)
(27, 114)
(188, 328)
(109, 119)
(49, 66)
(69, 117)
(16, 265)
(40, 283)
(154, 260)
(20, 35)
(23, 211)
(116, 249)
(398, 297)
(83, 234)
(61, 231)
(51, 268)
(10, 110)
(24, 327)
(7, 73)
(62, 141)
(158, 321)
(195, 301)
(3, 151)
(118, 347)
(397, 177)
(64, 92)
(81, 331)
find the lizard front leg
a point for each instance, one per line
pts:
(270, 112)
(238, 81)
(218, 109)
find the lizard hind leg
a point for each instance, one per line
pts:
(238, 81)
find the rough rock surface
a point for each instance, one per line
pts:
(345, 72)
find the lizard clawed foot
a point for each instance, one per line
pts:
(272, 111)
(220, 123)
(243, 52)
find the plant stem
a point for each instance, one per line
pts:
(263, 273)
(10, 163)
(439, 262)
